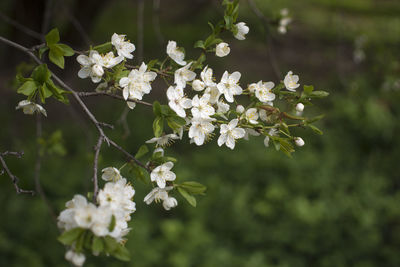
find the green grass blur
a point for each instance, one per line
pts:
(336, 203)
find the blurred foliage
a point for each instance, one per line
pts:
(336, 203)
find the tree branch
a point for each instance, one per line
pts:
(14, 178)
(87, 94)
(21, 27)
(95, 164)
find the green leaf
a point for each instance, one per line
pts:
(316, 130)
(228, 21)
(42, 50)
(67, 50)
(112, 224)
(97, 245)
(42, 94)
(308, 89)
(122, 253)
(158, 126)
(27, 88)
(68, 237)
(175, 122)
(318, 94)
(46, 91)
(152, 63)
(157, 108)
(199, 44)
(52, 37)
(56, 55)
(110, 244)
(142, 151)
(139, 173)
(41, 74)
(80, 241)
(193, 187)
(103, 48)
(317, 118)
(191, 199)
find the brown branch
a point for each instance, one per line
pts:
(156, 21)
(131, 157)
(87, 94)
(95, 164)
(92, 118)
(14, 178)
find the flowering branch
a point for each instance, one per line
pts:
(13, 178)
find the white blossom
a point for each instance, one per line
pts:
(175, 53)
(239, 109)
(291, 81)
(222, 50)
(222, 107)
(284, 21)
(263, 91)
(163, 140)
(109, 60)
(299, 107)
(207, 77)
(29, 107)
(161, 174)
(272, 132)
(184, 75)
(161, 194)
(177, 101)
(137, 84)
(91, 65)
(214, 94)
(229, 133)
(78, 259)
(201, 107)
(124, 48)
(250, 131)
(111, 174)
(198, 85)
(229, 85)
(252, 115)
(169, 203)
(299, 141)
(200, 129)
(242, 30)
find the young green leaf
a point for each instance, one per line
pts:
(27, 88)
(97, 245)
(142, 151)
(52, 37)
(191, 199)
(193, 187)
(67, 51)
(56, 55)
(68, 237)
(41, 74)
(158, 126)
(122, 253)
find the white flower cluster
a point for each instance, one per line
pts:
(114, 200)
(137, 84)
(161, 174)
(284, 21)
(94, 64)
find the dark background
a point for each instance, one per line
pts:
(336, 203)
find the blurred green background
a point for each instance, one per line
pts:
(336, 203)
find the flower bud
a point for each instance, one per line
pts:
(222, 50)
(97, 70)
(240, 109)
(299, 141)
(299, 107)
(198, 85)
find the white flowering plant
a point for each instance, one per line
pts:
(197, 103)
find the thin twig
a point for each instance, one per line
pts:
(87, 94)
(92, 118)
(21, 27)
(14, 178)
(129, 156)
(95, 164)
